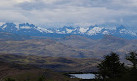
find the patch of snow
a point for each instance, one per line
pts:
(69, 30)
(83, 30)
(127, 32)
(94, 31)
(25, 27)
(105, 32)
(1, 23)
(62, 32)
(17, 25)
(4, 26)
(123, 31)
(44, 30)
(132, 33)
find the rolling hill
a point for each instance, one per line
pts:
(61, 64)
(43, 47)
(70, 46)
(31, 73)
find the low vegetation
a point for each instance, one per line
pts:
(15, 72)
(28, 68)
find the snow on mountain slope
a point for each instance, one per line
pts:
(83, 30)
(97, 30)
(44, 30)
(25, 27)
(1, 23)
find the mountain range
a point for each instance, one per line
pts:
(95, 32)
(28, 39)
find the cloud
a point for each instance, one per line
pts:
(21, 1)
(43, 12)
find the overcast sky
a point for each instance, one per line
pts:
(77, 12)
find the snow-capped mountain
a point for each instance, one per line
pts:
(96, 31)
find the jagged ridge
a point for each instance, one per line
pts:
(97, 31)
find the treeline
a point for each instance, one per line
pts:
(111, 69)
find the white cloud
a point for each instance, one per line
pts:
(20, 1)
(69, 11)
